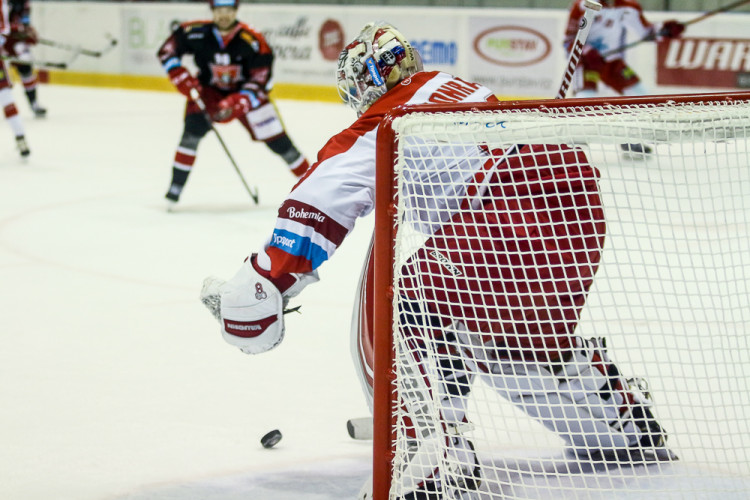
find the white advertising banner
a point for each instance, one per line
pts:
(306, 42)
(516, 55)
(515, 52)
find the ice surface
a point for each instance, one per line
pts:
(113, 377)
(114, 381)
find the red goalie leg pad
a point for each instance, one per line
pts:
(518, 270)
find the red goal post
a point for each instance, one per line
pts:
(646, 123)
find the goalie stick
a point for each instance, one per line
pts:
(362, 428)
(195, 96)
(700, 18)
(576, 49)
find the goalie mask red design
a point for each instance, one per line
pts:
(378, 59)
(224, 3)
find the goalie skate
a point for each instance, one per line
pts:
(652, 446)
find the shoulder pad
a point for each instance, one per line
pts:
(193, 25)
(254, 38)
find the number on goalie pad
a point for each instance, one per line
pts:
(264, 122)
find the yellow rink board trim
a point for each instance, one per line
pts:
(161, 83)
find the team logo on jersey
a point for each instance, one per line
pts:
(260, 294)
(225, 76)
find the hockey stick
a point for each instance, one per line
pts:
(698, 19)
(576, 49)
(80, 50)
(42, 64)
(195, 96)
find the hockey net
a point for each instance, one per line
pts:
(509, 234)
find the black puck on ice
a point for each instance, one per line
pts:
(271, 439)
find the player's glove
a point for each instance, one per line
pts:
(250, 306)
(233, 106)
(24, 33)
(592, 60)
(671, 29)
(183, 81)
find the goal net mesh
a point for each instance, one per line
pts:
(533, 250)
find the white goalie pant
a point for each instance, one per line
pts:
(576, 401)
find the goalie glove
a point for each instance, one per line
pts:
(250, 306)
(671, 29)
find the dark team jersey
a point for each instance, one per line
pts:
(239, 61)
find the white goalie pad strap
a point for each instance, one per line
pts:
(265, 122)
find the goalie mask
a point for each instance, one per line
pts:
(378, 59)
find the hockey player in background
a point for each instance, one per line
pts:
(602, 62)
(22, 37)
(6, 89)
(233, 80)
(566, 382)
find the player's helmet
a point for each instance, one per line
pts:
(378, 59)
(224, 3)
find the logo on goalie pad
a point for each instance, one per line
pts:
(446, 263)
(248, 329)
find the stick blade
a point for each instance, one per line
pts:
(360, 428)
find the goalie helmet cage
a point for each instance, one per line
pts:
(671, 296)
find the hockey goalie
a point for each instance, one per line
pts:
(512, 241)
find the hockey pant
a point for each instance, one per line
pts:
(262, 123)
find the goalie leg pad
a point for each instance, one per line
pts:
(585, 399)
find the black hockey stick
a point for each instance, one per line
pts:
(195, 96)
(76, 49)
(652, 37)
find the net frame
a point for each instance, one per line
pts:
(385, 393)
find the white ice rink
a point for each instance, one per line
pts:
(114, 380)
(115, 383)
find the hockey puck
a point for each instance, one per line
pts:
(271, 439)
(359, 428)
